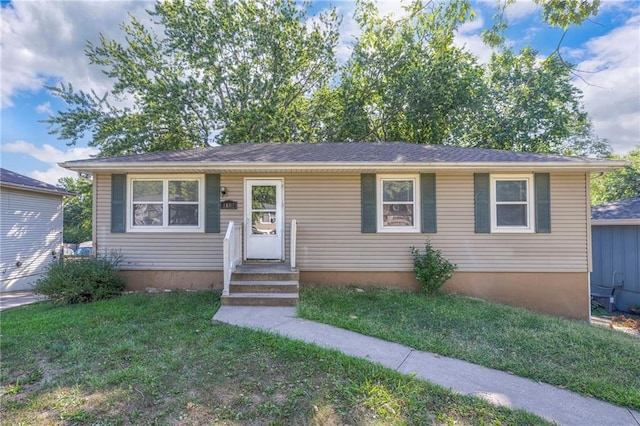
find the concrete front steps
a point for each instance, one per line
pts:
(263, 284)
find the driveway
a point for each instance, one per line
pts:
(18, 298)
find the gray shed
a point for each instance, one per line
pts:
(615, 233)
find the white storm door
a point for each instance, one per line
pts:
(264, 229)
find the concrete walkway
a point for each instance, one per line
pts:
(554, 404)
(13, 299)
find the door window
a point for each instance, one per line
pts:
(263, 210)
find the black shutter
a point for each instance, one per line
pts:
(428, 200)
(368, 203)
(212, 203)
(481, 194)
(118, 203)
(543, 202)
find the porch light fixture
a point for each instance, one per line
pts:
(223, 190)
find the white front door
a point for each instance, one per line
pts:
(264, 222)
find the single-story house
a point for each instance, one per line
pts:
(31, 229)
(516, 224)
(616, 251)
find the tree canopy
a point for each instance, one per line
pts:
(406, 79)
(527, 104)
(231, 71)
(77, 210)
(224, 70)
(618, 184)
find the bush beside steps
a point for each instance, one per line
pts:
(81, 280)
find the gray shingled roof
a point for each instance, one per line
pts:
(629, 208)
(16, 180)
(333, 153)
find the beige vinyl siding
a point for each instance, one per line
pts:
(327, 209)
(161, 250)
(329, 237)
(31, 227)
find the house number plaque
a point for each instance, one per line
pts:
(229, 205)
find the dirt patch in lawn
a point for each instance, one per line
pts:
(629, 324)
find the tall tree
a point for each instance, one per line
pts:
(560, 14)
(405, 77)
(223, 70)
(263, 71)
(618, 184)
(406, 80)
(77, 210)
(528, 104)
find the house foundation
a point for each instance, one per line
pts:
(564, 294)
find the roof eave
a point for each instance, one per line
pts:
(61, 193)
(604, 222)
(156, 167)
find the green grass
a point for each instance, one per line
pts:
(158, 359)
(587, 359)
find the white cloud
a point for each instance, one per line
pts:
(521, 10)
(392, 7)
(611, 84)
(350, 30)
(52, 175)
(47, 153)
(51, 156)
(44, 108)
(469, 37)
(43, 42)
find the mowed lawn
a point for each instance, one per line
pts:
(158, 359)
(575, 355)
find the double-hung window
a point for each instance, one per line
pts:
(170, 204)
(512, 203)
(397, 204)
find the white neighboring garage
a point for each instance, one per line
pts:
(31, 229)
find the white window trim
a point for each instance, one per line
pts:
(416, 203)
(530, 228)
(165, 203)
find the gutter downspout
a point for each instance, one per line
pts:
(589, 245)
(94, 214)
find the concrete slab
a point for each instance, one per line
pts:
(255, 317)
(284, 321)
(18, 298)
(264, 267)
(554, 404)
(348, 342)
(501, 388)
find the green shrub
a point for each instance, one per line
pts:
(431, 268)
(81, 280)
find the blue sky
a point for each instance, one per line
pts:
(42, 44)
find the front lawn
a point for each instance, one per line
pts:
(158, 359)
(590, 360)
